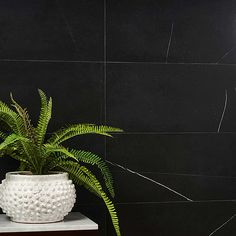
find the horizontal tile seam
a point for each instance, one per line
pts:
(174, 133)
(161, 202)
(180, 174)
(176, 202)
(165, 133)
(115, 62)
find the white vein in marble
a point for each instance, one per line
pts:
(151, 180)
(169, 43)
(221, 226)
(223, 112)
(75, 221)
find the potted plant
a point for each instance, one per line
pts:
(42, 190)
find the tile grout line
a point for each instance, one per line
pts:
(167, 133)
(171, 202)
(105, 62)
(116, 62)
(172, 133)
(177, 202)
(51, 61)
(104, 84)
(186, 175)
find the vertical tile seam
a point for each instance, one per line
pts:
(105, 74)
(105, 86)
(105, 62)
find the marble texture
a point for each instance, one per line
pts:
(164, 71)
(74, 221)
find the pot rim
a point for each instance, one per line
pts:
(27, 175)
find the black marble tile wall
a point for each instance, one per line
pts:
(162, 70)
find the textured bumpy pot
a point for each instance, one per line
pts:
(27, 198)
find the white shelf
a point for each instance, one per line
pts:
(74, 221)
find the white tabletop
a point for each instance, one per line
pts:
(74, 221)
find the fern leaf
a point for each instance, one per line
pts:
(93, 159)
(54, 162)
(2, 135)
(11, 118)
(78, 177)
(44, 117)
(107, 201)
(15, 122)
(80, 129)
(29, 129)
(85, 157)
(81, 175)
(12, 138)
(22, 166)
(56, 148)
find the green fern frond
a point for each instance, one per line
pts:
(80, 129)
(55, 161)
(107, 201)
(2, 135)
(75, 174)
(15, 122)
(22, 166)
(27, 145)
(93, 159)
(11, 118)
(44, 117)
(56, 148)
(23, 113)
(85, 157)
(12, 138)
(81, 175)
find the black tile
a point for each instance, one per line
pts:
(7, 164)
(203, 31)
(198, 188)
(85, 23)
(198, 154)
(228, 229)
(44, 29)
(174, 219)
(229, 123)
(155, 187)
(97, 213)
(169, 98)
(229, 57)
(133, 188)
(190, 31)
(138, 30)
(76, 89)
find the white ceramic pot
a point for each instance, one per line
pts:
(27, 198)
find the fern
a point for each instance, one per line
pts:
(26, 143)
(82, 176)
(44, 118)
(11, 139)
(11, 118)
(80, 129)
(2, 135)
(93, 159)
(28, 127)
(55, 148)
